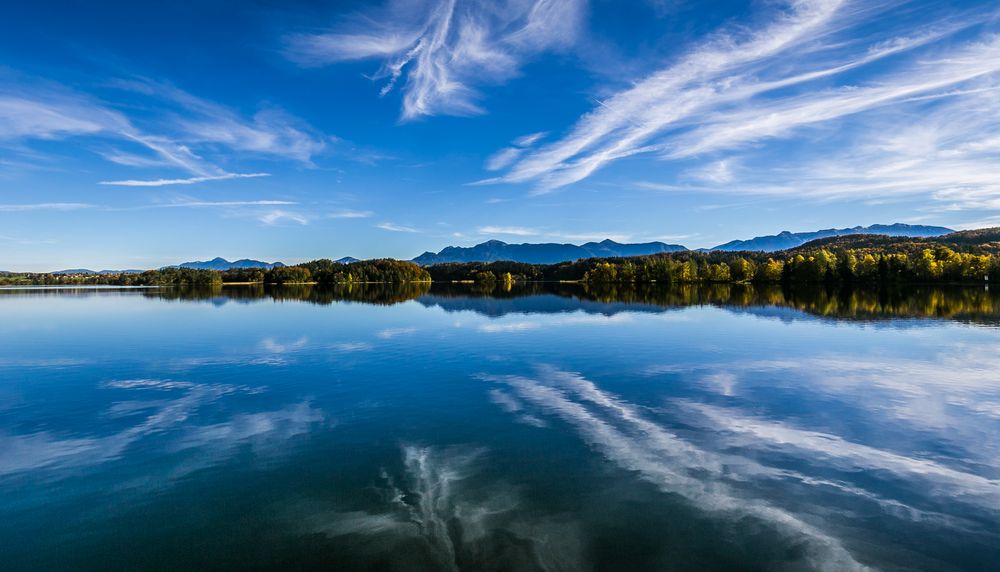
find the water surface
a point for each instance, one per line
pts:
(545, 428)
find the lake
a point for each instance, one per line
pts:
(549, 427)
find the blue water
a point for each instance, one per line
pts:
(452, 430)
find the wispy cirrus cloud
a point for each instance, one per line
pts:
(348, 213)
(177, 131)
(811, 72)
(511, 230)
(508, 155)
(392, 227)
(270, 132)
(14, 208)
(209, 204)
(521, 231)
(276, 216)
(22, 117)
(949, 157)
(443, 49)
(52, 113)
(187, 181)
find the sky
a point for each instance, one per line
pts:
(141, 134)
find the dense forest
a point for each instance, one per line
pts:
(968, 257)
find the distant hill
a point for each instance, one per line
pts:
(347, 260)
(981, 240)
(787, 240)
(545, 253)
(223, 264)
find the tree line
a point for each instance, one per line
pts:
(968, 257)
(811, 266)
(317, 271)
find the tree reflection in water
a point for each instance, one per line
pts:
(974, 305)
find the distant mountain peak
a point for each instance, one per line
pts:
(787, 239)
(542, 253)
(219, 263)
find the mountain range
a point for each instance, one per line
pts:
(551, 253)
(785, 239)
(219, 263)
(545, 253)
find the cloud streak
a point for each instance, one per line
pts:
(276, 216)
(182, 131)
(441, 50)
(348, 213)
(392, 227)
(211, 204)
(16, 208)
(188, 181)
(747, 90)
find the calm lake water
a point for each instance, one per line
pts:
(547, 428)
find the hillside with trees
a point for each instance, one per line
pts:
(967, 257)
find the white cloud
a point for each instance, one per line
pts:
(347, 213)
(529, 139)
(511, 230)
(746, 86)
(188, 181)
(181, 130)
(503, 158)
(209, 204)
(594, 236)
(196, 121)
(395, 227)
(20, 117)
(44, 207)
(552, 235)
(442, 49)
(717, 172)
(276, 216)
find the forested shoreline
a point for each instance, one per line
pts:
(322, 272)
(971, 257)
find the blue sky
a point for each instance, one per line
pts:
(134, 135)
